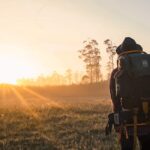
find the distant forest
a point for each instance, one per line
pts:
(91, 56)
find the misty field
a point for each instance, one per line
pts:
(33, 121)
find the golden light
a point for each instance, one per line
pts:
(14, 64)
(8, 73)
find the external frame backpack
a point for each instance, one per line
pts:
(133, 79)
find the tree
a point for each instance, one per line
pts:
(76, 77)
(85, 79)
(69, 76)
(90, 54)
(111, 50)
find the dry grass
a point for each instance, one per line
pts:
(73, 124)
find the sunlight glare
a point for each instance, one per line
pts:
(13, 64)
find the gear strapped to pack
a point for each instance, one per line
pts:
(133, 78)
(132, 81)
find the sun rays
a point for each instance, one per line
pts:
(25, 99)
(5, 100)
(41, 99)
(24, 103)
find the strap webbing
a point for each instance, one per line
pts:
(132, 51)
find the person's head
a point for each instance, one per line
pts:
(128, 44)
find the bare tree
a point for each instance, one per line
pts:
(111, 50)
(91, 56)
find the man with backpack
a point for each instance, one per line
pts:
(130, 94)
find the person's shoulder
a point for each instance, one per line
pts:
(114, 71)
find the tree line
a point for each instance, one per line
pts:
(91, 56)
(54, 79)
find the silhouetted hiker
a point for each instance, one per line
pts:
(130, 94)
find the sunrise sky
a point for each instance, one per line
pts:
(42, 36)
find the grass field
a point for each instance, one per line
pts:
(32, 121)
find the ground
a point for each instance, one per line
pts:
(32, 121)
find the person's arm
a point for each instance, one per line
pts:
(115, 99)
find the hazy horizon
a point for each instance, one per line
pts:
(42, 36)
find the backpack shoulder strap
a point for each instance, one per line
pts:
(132, 51)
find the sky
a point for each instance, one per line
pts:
(41, 36)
